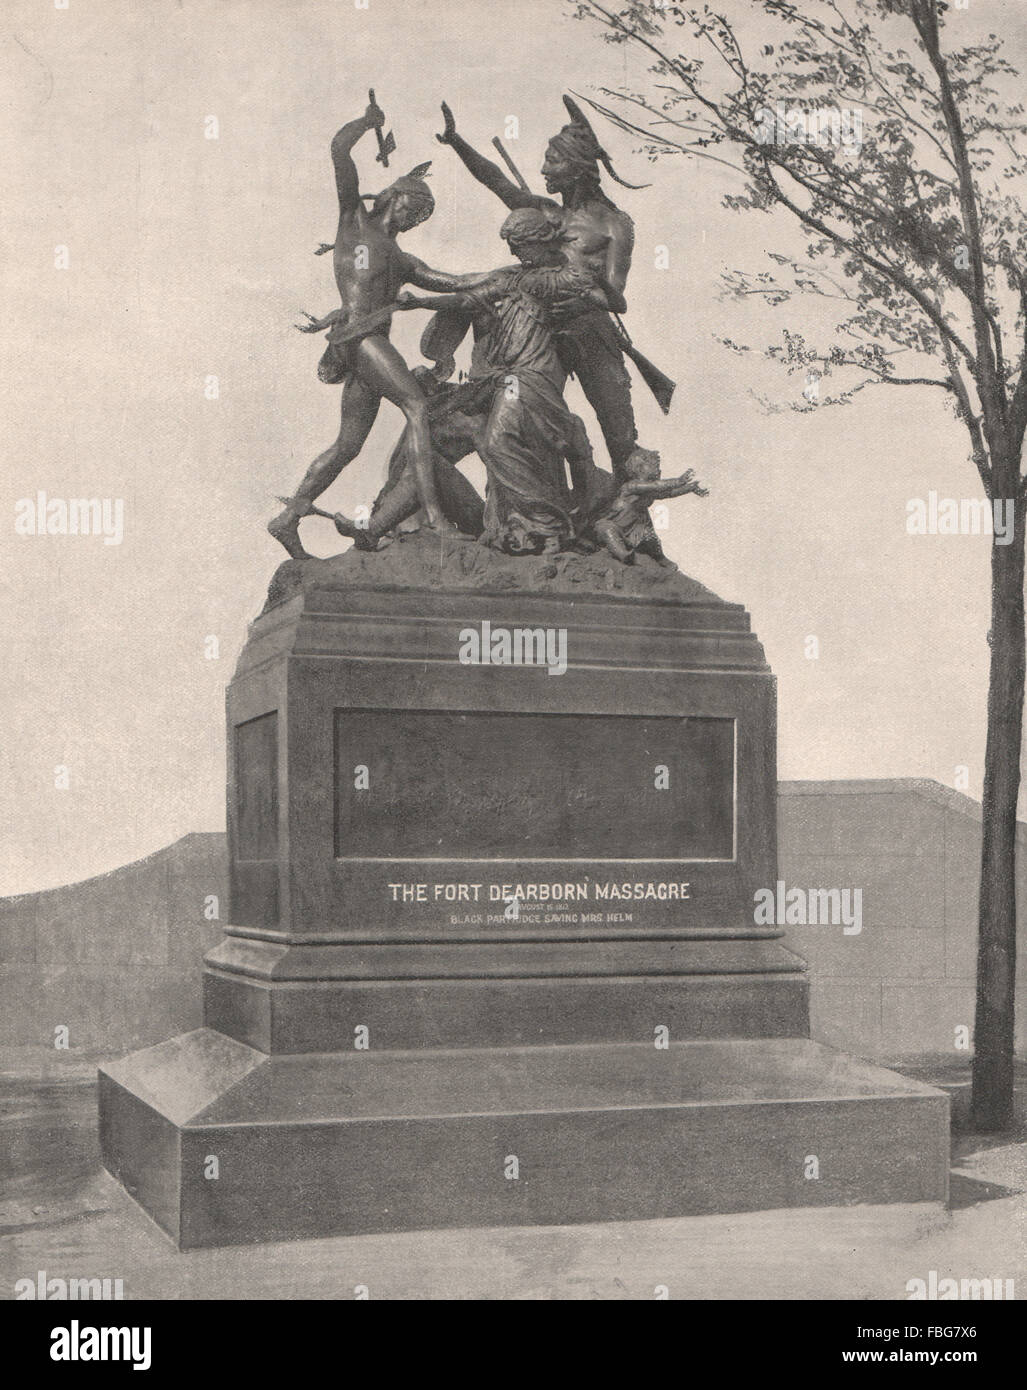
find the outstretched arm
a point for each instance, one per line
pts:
(486, 172)
(425, 278)
(463, 302)
(581, 293)
(346, 181)
(314, 325)
(666, 487)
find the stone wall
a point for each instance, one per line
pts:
(905, 983)
(117, 959)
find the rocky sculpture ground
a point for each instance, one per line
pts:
(427, 560)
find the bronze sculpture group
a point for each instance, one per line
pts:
(554, 313)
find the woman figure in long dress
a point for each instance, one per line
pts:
(529, 431)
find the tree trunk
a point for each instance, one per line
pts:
(996, 948)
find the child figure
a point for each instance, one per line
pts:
(625, 527)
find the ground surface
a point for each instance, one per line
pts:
(60, 1212)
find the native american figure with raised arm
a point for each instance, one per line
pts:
(524, 430)
(370, 268)
(600, 238)
(511, 410)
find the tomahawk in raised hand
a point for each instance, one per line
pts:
(370, 269)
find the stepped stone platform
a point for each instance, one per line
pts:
(350, 1143)
(492, 954)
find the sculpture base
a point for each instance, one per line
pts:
(334, 1144)
(502, 822)
(284, 999)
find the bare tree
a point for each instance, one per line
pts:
(916, 227)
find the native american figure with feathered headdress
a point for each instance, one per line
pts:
(370, 269)
(599, 240)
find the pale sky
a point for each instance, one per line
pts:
(190, 257)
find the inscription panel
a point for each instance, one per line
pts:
(256, 788)
(488, 786)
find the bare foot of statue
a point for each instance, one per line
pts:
(285, 528)
(357, 534)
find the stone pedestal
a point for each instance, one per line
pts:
(495, 912)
